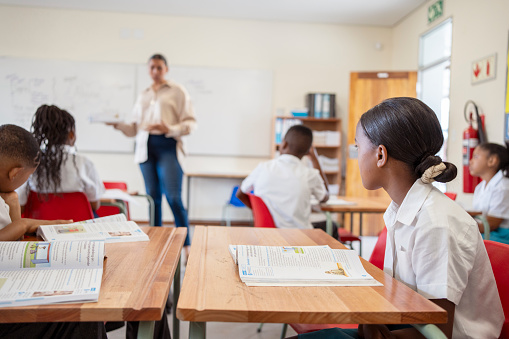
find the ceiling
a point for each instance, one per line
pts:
(356, 12)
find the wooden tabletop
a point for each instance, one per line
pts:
(136, 282)
(212, 290)
(362, 205)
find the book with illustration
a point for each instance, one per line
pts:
(299, 266)
(36, 273)
(113, 228)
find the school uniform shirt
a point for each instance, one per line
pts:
(171, 106)
(286, 185)
(435, 248)
(493, 198)
(5, 218)
(82, 177)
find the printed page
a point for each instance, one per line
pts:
(110, 218)
(39, 286)
(300, 266)
(108, 231)
(15, 255)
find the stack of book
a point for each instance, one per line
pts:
(329, 164)
(321, 105)
(299, 266)
(327, 138)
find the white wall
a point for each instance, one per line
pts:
(480, 28)
(304, 58)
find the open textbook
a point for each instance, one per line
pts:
(114, 228)
(35, 273)
(299, 266)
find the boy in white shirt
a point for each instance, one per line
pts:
(19, 157)
(285, 184)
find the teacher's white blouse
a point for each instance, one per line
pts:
(171, 106)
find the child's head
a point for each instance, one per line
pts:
(488, 159)
(410, 132)
(298, 140)
(53, 128)
(19, 157)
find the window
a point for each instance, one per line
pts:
(434, 76)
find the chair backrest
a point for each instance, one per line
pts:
(73, 205)
(451, 195)
(261, 214)
(104, 211)
(234, 201)
(498, 253)
(378, 255)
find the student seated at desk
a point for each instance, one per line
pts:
(491, 197)
(286, 184)
(433, 245)
(61, 169)
(19, 157)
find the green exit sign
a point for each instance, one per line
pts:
(435, 11)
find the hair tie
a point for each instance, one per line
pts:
(432, 172)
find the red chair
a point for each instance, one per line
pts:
(498, 253)
(111, 209)
(261, 214)
(451, 195)
(51, 206)
(377, 259)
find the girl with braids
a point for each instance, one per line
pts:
(433, 245)
(491, 197)
(61, 169)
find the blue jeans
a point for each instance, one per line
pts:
(162, 174)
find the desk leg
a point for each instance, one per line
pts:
(197, 330)
(188, 197)
(176, 293)
(328, 223)
(146, 329)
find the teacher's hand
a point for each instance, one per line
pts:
(157, 128)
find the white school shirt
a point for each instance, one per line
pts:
(286, 185)
(435, 248)
(80, 178)
(5, 218)
(493, 199)
(170, 105)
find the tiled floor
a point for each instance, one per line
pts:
(245, 330)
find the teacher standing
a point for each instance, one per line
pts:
(162, 114)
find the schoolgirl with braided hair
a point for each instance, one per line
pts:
(491, 162)
(433, 245)
(61, 169)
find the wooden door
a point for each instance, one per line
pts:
(367, 89)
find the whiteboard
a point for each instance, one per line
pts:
(232, 107)
(81, 88)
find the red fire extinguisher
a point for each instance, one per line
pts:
(471, 138)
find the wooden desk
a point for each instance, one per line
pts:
(212, 290)
(362, 205)
(217, 175)
(135, 286)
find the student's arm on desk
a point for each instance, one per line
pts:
(316, 164)
(129, 130)
(16, 229)
(492, 221)
(381, 331)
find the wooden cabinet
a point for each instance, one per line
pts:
(331, 150)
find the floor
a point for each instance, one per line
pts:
(245, 330)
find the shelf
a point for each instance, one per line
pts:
(311, 119)
(316, 146)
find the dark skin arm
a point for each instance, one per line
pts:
(316, 164)
(243, 197)
(381, 331)
(493, 221)
(95, 205)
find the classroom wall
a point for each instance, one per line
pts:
(303, 57)
(480, 28)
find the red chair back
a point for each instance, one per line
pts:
(498, 253)
(261, 214)
(378, 255)
(73, 205)
(104, 211)
(451, 195)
